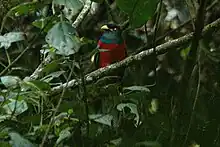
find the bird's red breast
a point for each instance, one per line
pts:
(112, 53)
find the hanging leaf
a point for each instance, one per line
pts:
(63, 37)
(9, 38)
(139, 11)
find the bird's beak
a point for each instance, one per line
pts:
(105, 27)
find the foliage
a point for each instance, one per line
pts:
(40, 49)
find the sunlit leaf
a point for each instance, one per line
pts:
(18, 141)
(64, 134)
(7, 39)
(137, 88)
(132, 107)
(139, 11)
(63, 37)
(100, 118)
(15, 107)
(4, 117)
(184, 53)
(154, 106)
(10, 81)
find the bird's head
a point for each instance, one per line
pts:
(111, 33)
(110, 28)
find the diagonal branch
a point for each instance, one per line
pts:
(160, 49)
(76, 23)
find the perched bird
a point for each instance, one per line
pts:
(111, 48)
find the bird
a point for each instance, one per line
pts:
(111, 48)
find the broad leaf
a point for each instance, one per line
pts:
(103, 119)
(18, 141)
(25, 8)
(63, 37)
(15, 106)
(139, 11)
(64, 134)
(9, 38)
(10, 81)
(133, 109)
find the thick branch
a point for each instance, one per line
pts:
(82, 14)
(97, 74)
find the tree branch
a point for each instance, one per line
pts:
(160, 49)
(75, 24)
(82, 14)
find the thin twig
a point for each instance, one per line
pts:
(57, 107)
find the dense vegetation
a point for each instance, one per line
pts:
(51, 94)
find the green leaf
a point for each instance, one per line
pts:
(4, 144)
(18, 141)
(49, 21)
(184, 53)
(64, 134)
(25, 8)
(52, 75)
(10, 81)
(154, 106)
(139, 11)
(132, 107)
(9, 38)
(137, 88)
(103, 119)
(4, 117)
(15, 106)
(63, 37)
(40, 84)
